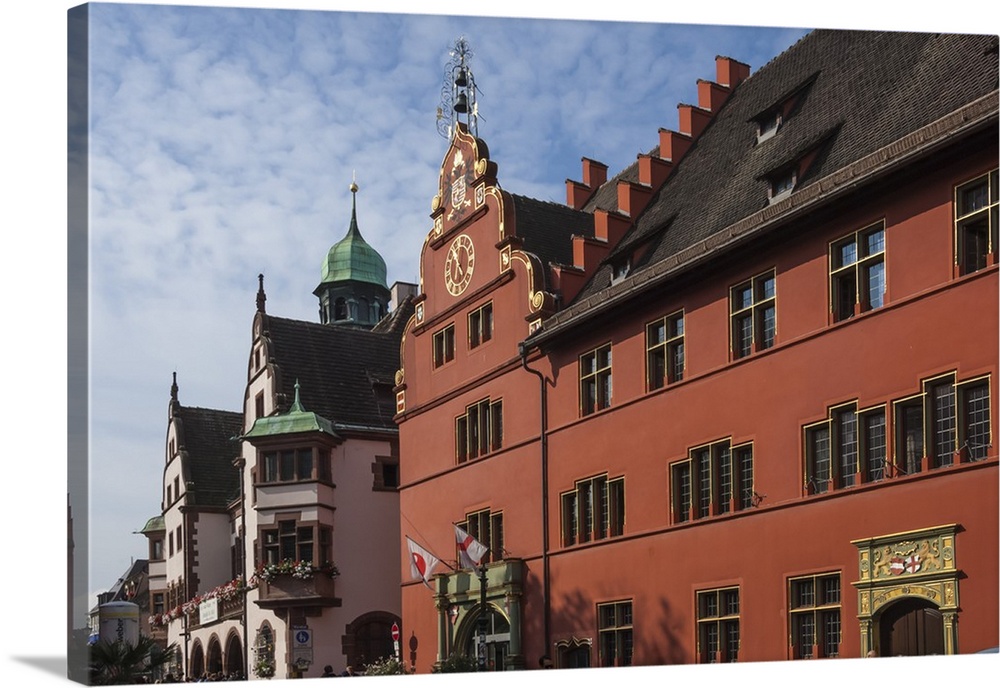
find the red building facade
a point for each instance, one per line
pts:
(735, 403)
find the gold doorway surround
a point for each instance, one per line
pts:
(917, 564)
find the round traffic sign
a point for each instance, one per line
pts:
(395, 631)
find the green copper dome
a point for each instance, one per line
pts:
(352, 258)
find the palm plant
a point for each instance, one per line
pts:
(120, 662)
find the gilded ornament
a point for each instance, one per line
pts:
(435, 203)
(481, 166)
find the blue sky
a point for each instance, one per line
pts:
(223, 142)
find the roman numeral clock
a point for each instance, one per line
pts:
(459, 264)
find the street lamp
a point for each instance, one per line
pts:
(483, 620)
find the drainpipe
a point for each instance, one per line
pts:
(544, 442)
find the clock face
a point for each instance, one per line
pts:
(459, 264)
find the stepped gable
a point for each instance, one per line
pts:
(208, 440)
(547, 228)
(345, 374)
(857, 92)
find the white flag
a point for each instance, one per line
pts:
(422, 562)
(470, 550)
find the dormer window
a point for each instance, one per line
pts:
(782, 185)
(620, 269)
(767, 125)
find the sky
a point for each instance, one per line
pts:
(222, 145)
(223, 141)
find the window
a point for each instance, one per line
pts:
(845, 449)
(595, 380)
(170, 540)
(291, 541)
(782, 185)
(715, 479)
(768, 124)
(289, 465)
(665, 351)
(718, 625)
(156, 549)
(620, 269)
(444, 346)
(814, 611)
(593, 510)
(487, 528)
(386, 473)
(946, 421)
(159, 603)
(976, 223)
(179, 540)
(857, 272)
(258, 403)
(752, 315)
(614, 620)
(481, 325)
(479, 430)
(974, 411)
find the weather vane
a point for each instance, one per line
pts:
(458, 93)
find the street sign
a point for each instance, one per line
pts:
(395, 632)
(302, 638)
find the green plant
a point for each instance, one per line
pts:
(456, 663)
(120, 662)
(263, 667)
(386, 666)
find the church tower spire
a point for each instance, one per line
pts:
(352, 288)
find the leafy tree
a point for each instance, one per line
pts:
(120, 662)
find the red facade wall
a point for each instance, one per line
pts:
(932, 323)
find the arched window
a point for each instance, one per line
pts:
(340, 309)
(263, 648)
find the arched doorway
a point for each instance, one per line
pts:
(911, 627)
(196, 666)
(214, 664)
(234, 656)
(369, 638)
(908, 592)
(497, 646)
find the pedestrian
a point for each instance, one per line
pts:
(545, 662)
(328, 672)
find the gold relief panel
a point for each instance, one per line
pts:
(480, 194)
(400, 402)
(504, 258)
(534, 325)
(905, 555)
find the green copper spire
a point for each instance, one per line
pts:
(295, 421)
(352, 258)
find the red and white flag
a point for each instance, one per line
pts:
(470, 550)
(422, 562)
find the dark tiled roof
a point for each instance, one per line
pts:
(345, 374)
(862, 91)
(207, 436)
(547, 228)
